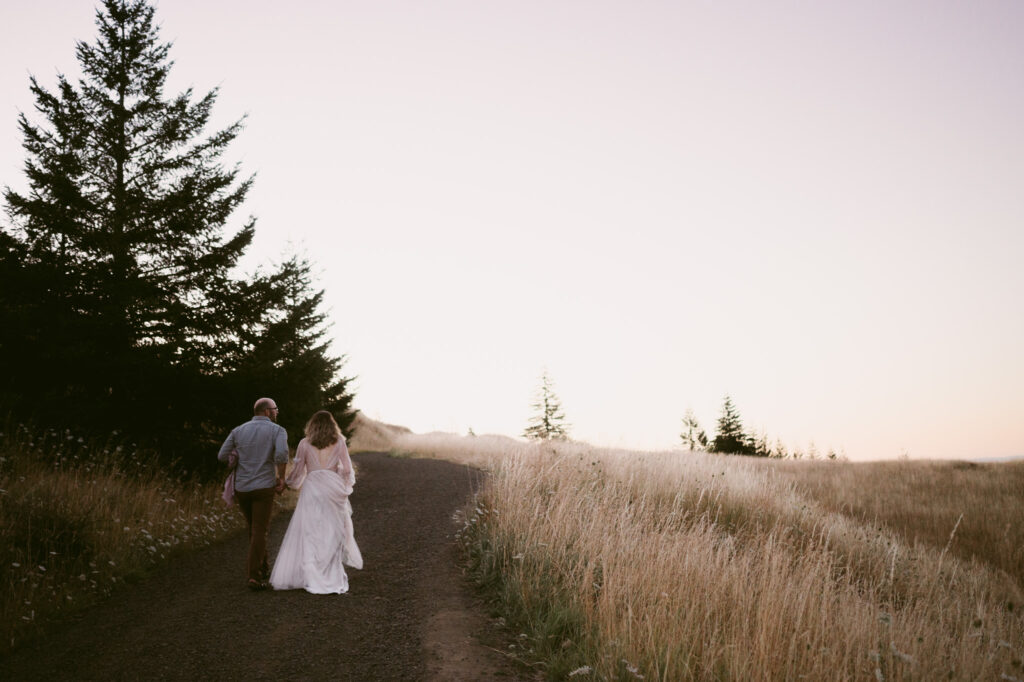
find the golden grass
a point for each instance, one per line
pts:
(689, 566)
(373, 436)
(925, 501)
(78, 519)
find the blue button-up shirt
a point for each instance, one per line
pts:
(260, 444)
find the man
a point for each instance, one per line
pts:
(262, 446)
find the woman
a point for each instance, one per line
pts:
(319, 537)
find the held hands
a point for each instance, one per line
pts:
(280, 487)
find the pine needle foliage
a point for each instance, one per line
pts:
(731, 438)
(548, 422)
(122, 304)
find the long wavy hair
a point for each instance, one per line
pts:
(322, 430)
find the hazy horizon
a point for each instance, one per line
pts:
(815, 209)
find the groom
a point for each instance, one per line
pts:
(261, 445)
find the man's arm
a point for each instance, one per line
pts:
(229, 445)
(281, 458)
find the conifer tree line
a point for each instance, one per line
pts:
(121, 305)
(732, 438)
(548, 423)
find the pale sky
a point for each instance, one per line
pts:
(814, 207)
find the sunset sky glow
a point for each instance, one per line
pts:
(816, 208)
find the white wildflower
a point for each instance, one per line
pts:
(583, 670)
(632, 669)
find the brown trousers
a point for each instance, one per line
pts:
(257, 505)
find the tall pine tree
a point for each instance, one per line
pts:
(129, 312)
(289, 358)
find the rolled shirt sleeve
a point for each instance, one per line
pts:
(280, 447)
(229, 445)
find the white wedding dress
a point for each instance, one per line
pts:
(319, 538)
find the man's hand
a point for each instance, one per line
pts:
(279, 488)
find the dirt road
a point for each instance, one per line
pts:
(407, 616)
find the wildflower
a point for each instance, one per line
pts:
(632, 669)
(583, 670)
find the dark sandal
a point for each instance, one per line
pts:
(258, 585)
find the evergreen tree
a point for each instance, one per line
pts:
(549, 421)
(693, 436)
(126, 206)
(760, 445)
(289, 357)
(127, 311)
(730, 437)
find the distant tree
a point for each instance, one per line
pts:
(779, 451)
(731, 437)
(760, 445)
(548, 423)
(693, 436)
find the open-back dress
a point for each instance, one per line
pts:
(319, 542)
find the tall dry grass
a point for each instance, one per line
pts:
(685, 566)
(924, 502)
(77, 519)
(374, 436)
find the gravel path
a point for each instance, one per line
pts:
(408, 614)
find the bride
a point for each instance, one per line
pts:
(319, 538)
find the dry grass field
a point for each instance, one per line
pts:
(77, 519)
(608, 564)
(621, 565)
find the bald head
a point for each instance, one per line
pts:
(265, 407)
